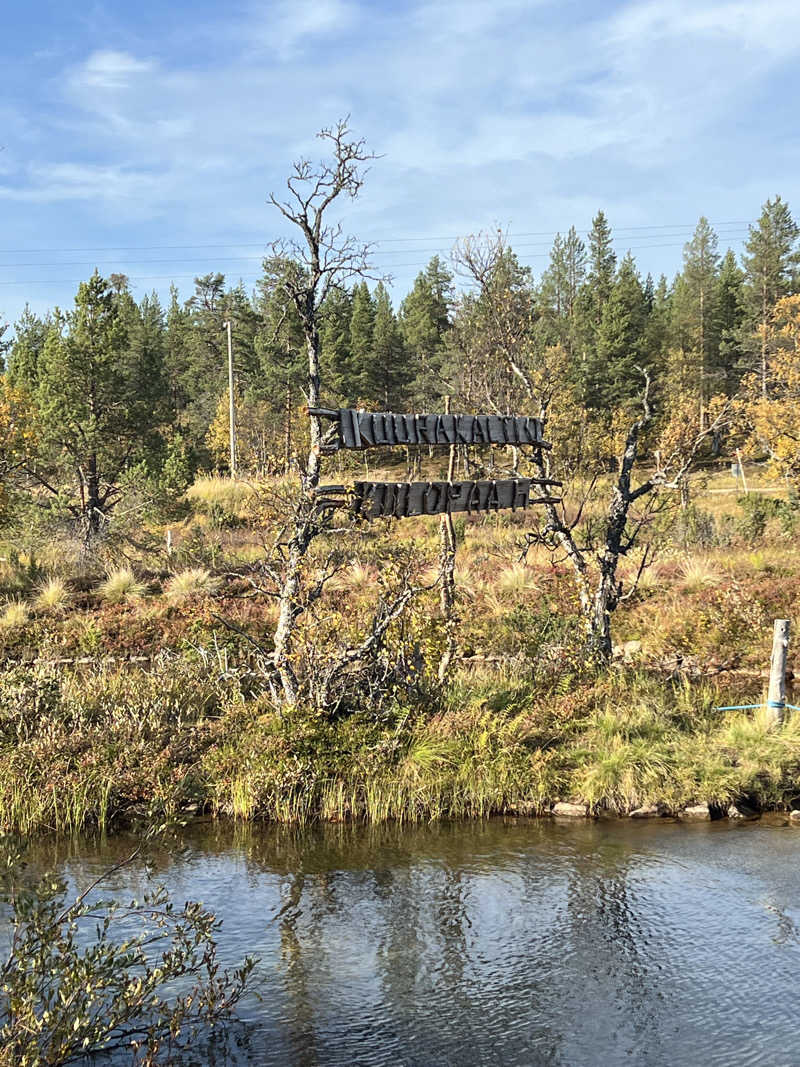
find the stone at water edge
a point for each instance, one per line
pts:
(651, 811)
(741, 811)
(794, 816)
(574, 811)
(696, 811)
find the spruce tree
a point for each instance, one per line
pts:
(30, 335)
(362, 324)
(729, 309)
(602, 265)
(700, 269)
(620, 340)
(424, 322)
(336, 312)
(389, 373)
(770, 266)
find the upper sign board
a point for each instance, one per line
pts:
(368, 429)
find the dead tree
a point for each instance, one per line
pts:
(324, 258)
(595, 554)
(504, 339)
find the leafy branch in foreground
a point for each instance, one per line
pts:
(69, 987)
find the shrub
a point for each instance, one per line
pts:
(70, 988)
(121, 585)
(757, 509)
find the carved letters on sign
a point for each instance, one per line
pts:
(367, 429)
(372, 500)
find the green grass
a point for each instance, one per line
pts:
(103, 749)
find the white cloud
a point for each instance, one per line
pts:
(108, 70)
(526, 111)
(289, 27)
(772, 25)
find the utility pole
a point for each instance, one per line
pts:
(231, 409)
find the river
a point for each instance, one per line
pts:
(507, 942)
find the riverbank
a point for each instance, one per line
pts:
(109, 748)
(139, 692)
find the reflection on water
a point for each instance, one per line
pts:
(506, 942)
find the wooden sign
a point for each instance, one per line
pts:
(372, 500)
(369, 429)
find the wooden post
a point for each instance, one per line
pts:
(447, 565)
(776, 697)
(741, 471)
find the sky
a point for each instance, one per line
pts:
(145, 138)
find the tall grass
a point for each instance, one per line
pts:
(233, 497)
(121, 585)
(14, 615)
(52, 596)
(192, 582)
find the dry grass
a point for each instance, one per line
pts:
(121, 585)
(516, 579)
(14, 615)
(234, 497)
(192, 582)
(52, 597)
(357, 578)
(698, 573)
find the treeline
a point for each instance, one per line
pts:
(113, 390)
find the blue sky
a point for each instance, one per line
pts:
(144, 138)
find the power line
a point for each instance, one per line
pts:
(255, 259)
(378, 241)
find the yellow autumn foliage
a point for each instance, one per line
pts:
(775, 418)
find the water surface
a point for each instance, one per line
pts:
(505, 942)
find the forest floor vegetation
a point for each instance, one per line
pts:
(138, 692)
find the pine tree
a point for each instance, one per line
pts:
(282, 376)
(770, 264)
(93, 415)
(558, 293)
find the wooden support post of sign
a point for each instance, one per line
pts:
(776, 697)
(447, 566)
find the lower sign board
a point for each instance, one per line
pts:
(373, 500)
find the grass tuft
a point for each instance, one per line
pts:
(52, 597)
(15, 615)
(193, 582)
(121, 585)
(699, 573)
